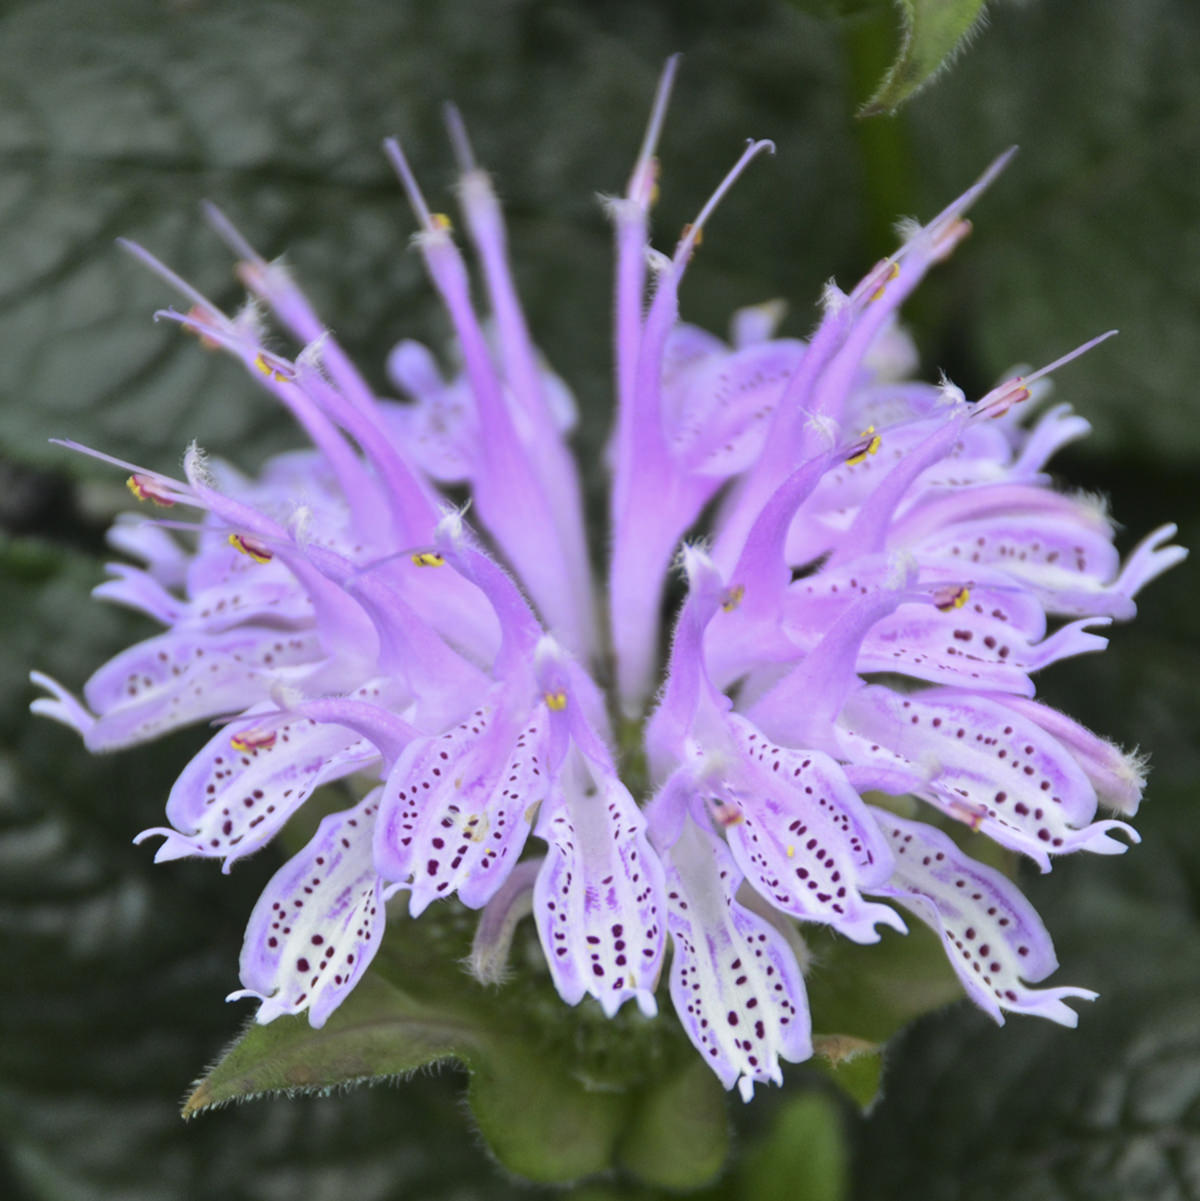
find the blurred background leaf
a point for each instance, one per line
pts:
(118, 119)
(931, 32)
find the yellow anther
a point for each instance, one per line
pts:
(144, 488)
(873, 442)
(893, 271)
(791, 851)
(687, 232)
(251, 547)
(253, 740)
(947, 599)
(428, 558)
(732, 597)
(556, 701)
(272, 370)
(728, 815)
(442, 222)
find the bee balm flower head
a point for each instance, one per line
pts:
(887, 569)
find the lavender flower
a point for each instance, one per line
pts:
(862, 622)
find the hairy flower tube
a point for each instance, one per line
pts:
(848, 692)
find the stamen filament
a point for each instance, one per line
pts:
(176, 489)
(391, 147)
(691, 238)
(642, 179)
(230, 234)
(1063, 360)
(177, 282)
(459, 141)
(960, 205)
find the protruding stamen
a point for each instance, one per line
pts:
(870, 444)
(199, 318)
(1000, 400)
(428, 558)
(556, 701)
(145, 487)
(697, 241)
(459, 141)
(949, 236)
(225, 337)
(179, 492)
(643, 182)
(947, 225)
(253, 740)
(250, 546)
(732, 597)
(694, 231)
(427, 221)
(1070, 355)
(951, 597)
(230, 234)
(274, 368)
(1014, 391)
(177, 282)
(889, 274)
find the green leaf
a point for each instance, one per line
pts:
(378, 1032)
(540, 1121)
(557, 1094)
(804, 1156)
(870, 992)
(1031, 1110)
(931, 32)
(1086, 229)
(678, 1136)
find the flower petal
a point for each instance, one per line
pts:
(1118, 777)
(717, 411)
(803, 837)
(318, 923)
(598, 899)
(182, 677)
(456, 809)
(165, 559)
(138, 589)
(970, 648)
(440, 429)
(237, 793)
(993, 937)
(988, 767)
(735, 983)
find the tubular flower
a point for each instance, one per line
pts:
(887, 569)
